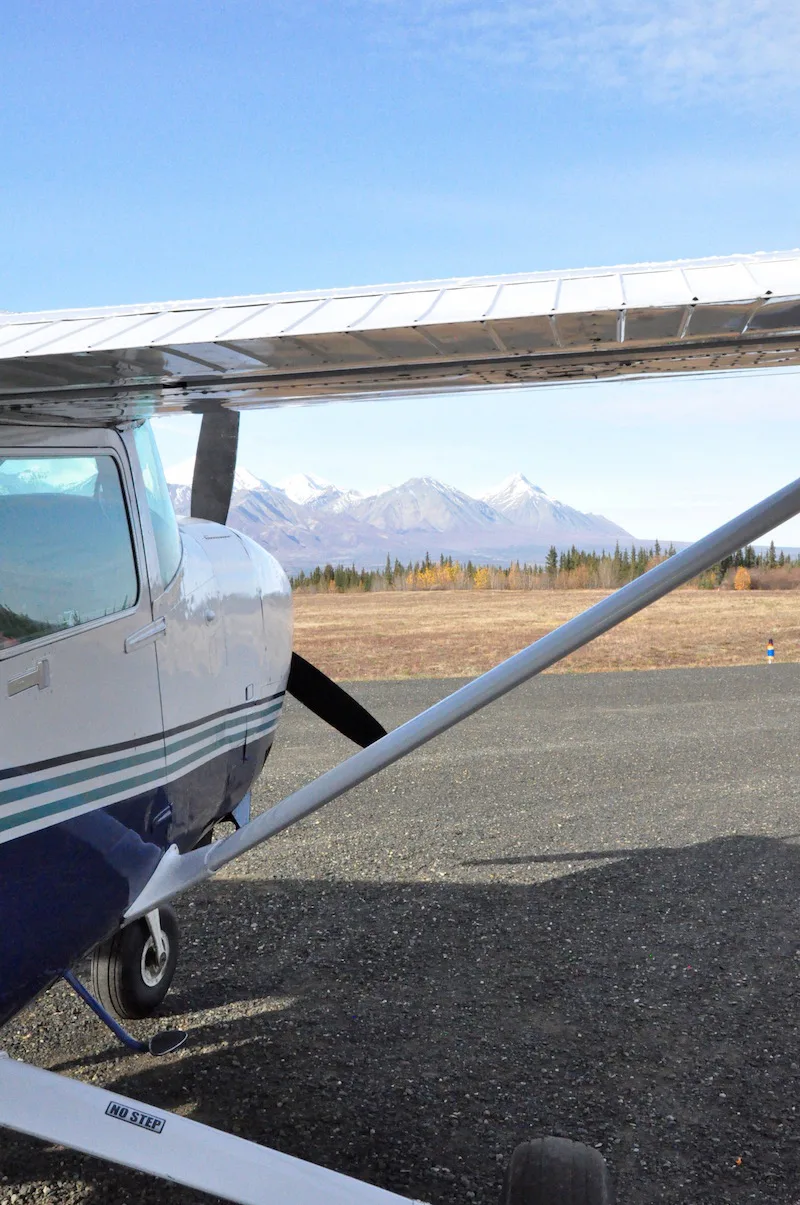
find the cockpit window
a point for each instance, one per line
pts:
(162, 514)
(66, 552)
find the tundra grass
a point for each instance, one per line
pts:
(442, 634)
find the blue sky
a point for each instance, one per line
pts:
(176, 149)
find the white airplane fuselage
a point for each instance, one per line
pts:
(143, 665)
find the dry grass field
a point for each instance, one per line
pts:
(442, 634)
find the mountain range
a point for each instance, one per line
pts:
(306, 521)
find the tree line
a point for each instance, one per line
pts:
(571, 569)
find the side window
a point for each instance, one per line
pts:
(165, 525)
(66, 554)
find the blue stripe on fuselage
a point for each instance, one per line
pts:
(64, 888)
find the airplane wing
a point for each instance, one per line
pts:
(217, 357)
(686, 316)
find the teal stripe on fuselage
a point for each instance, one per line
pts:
(229, 725)
(87, 774)
(259, 730)
(126, 786)
(32, 789)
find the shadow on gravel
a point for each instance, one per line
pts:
(586, 855)
(419, 1031)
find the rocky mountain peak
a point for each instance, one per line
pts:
(512, 490)
(309, 521)
(318, 493)
(183, 473)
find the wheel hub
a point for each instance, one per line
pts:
(153, 967)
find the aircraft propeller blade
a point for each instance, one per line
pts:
(335, 706)
(215, 465)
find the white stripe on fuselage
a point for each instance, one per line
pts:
(44, 797)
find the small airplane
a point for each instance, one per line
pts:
(144, 661)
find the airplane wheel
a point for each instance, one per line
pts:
(126, 976)
(557, 1171)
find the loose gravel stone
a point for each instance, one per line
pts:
(575, 914)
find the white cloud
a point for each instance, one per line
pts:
(664, 49)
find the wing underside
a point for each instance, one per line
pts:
(105, 365)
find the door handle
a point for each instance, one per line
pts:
(146, 635)
(40, 676)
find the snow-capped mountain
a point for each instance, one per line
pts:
(243, 479)
(527, 505)
(424, 504)
(318, 493)
(309, 521)
(298, 535)
(179, 478)
(304, 488)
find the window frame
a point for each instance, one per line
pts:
(43, 452)
(158, 587)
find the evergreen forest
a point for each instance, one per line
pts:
(573, 569)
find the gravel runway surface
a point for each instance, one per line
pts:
(575, 914)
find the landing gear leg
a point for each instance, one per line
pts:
(166, 1042)
(132, 971)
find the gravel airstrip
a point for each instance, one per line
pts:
(575, 914)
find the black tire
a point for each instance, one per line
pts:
(126, 978)
(557, 1171)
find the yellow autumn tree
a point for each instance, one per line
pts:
(483, 578)
(515, 577)
(742, 580)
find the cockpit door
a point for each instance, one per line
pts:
(83, 814)
(80, 708)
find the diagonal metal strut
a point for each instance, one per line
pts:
(109, 1126)
(177, 871)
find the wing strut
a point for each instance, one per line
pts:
(113, 1127)
(215, 466)
(177, 871)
